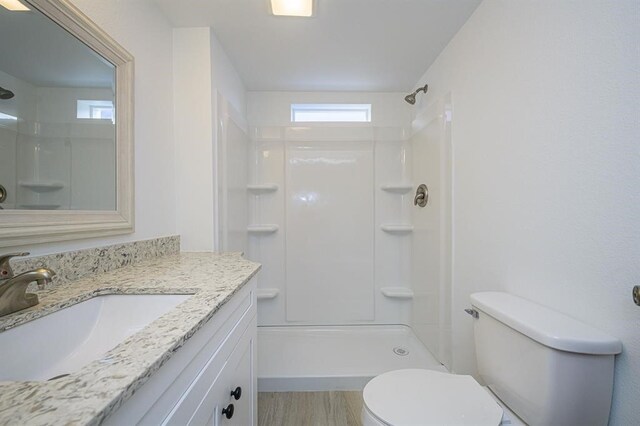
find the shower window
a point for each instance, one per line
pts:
(331, 113)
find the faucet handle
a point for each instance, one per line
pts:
(5, 266)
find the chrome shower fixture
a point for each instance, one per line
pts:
(412, 97)
(6, 94)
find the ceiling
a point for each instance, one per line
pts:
(350, 45)
(38, 51)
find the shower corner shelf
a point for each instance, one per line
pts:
(397, 292)
(397, 188)
(267, 293)
(397, 229)
(39, 206)
(41, 186)
(262, 229)
(263, 188)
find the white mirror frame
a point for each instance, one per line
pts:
(20, 227)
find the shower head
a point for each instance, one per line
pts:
(6, 94)
(411, 99)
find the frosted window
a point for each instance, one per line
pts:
(331, 113)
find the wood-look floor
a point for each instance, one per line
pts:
(309, 408)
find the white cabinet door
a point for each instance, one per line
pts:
(238, 372)
(241, 378)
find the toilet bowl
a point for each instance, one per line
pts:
(426, 397)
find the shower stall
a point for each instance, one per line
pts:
(355, 277)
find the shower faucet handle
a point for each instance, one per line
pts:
(422, 196)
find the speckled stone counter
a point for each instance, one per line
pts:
(89, 395)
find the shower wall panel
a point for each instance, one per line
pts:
(393, 250)
(329, 221)
(274, 186)
(232, 156)
(267, 208)
(431, 266)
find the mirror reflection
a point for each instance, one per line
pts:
(57, 118)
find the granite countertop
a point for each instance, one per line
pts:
(89, 395)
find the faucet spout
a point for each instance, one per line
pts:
(13, 291)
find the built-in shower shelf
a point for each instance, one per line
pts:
(40, 206)
(262, 229)
(267, 293)
(397, 229)
(41, 186)
(262, 188)
(397, 188)
(397, 292)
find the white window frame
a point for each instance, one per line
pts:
(331, 113)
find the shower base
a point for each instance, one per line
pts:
(324, 358)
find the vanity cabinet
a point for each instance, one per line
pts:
(211, 380)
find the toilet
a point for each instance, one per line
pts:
(540, 367)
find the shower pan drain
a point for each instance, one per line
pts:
(399, 350)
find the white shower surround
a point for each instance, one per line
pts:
(385, 257)
(331, 213)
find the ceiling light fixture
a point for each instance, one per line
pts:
(14, 5)
(291, 7)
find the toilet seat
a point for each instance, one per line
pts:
(427, 397)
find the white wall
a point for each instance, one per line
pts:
(193, 133)
(204, 79)
(547, 168)
(144, 31)
(225, 78)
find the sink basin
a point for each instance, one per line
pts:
(65, 341)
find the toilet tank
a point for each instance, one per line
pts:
(548, 368)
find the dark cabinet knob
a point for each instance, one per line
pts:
(228, 412)
(237, 393)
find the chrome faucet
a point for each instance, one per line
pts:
(13, 288)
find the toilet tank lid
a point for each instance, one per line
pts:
(544, 325)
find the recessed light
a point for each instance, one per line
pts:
(14, 5)
(292, 7)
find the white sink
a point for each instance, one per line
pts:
(65, 341)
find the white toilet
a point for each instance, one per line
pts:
(541, 368)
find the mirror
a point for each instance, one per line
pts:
(57, 122)
(66, 166)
